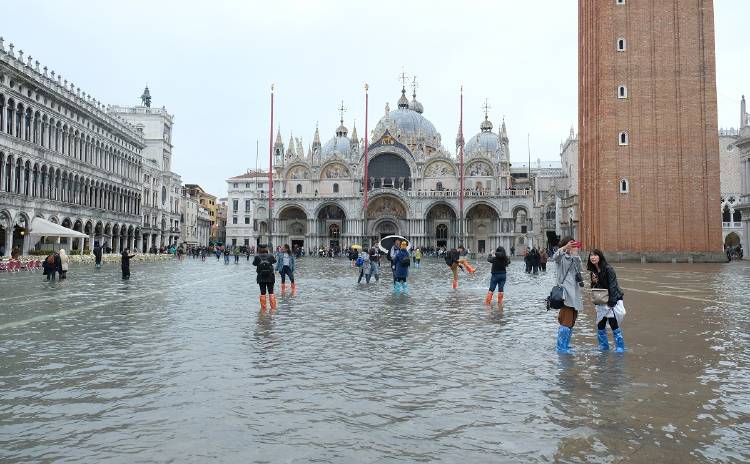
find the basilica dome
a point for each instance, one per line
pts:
(407, 122)
(340, 144)
(484, 143)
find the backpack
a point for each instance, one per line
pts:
(265, 269)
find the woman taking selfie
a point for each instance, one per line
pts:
(612, 310)
(568, 274)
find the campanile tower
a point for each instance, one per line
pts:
(649, 150)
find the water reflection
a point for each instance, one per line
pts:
(179, 364)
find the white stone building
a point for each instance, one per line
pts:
(413, 188)
(204, 226)
(64, 159)
(242, 193)
(162, 188)
(189, 221)
(742, 144)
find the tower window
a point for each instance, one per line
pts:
(299, 188)
(622, 92)
(620, 2)
(624, 187)
(623, 139)
(335, 188)
(621, 44)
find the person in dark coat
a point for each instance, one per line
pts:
(125, 263)
(263, 263)
(98, 254)
(58, 264)
(49, 267)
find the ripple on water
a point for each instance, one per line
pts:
(177, 364)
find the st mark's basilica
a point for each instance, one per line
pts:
(413, 188)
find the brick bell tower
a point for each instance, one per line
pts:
(649, 150)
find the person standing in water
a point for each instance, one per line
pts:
(97, 255)
(417, 257)
(266, 278)
(285, 268)
(603, 276)
(568, 268)
(499, 263)
(401, 269)
(392, 255)
(125, 263)
(455, 260)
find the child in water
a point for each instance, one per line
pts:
(401, 269)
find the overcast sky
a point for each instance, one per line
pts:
(211, 64)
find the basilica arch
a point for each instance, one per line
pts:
(293, 225)
(389, 170)
(440, 225)
(482, 224)
(331, 225)
(387, 215)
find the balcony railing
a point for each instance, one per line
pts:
(409, 193)
(731, 225)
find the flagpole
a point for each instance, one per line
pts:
(461, 172)
(270, 180)
(366, 234)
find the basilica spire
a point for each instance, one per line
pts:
(486, 125)
(341, 131)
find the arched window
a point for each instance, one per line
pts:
(726, 215)
(624, 186)
(623, 138)
(299, 188)
(622, 92)
(737, 216)
(439, 186)
(621, 45)
(441, 232)
(335, 188)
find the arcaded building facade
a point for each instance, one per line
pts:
(413, 185)
(63, 159)
(648, 154)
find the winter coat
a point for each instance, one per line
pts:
(280, 262)
(401, 270)
(125, 261)
(568, 266)
(499, 262)
(267, 278)
(64, 261)
(607, 278)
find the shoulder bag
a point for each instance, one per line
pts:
(556, 298)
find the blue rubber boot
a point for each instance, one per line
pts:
(563, 339)
(619, 341)
(404, 287)
(396, 287)
(603, 342)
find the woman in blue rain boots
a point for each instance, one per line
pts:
(568, 276)
(603, 276)
(401, 269)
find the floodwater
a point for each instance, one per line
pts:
(178, 365)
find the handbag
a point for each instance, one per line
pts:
(599, 296)
(556, 298)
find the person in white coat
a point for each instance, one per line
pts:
(64, 263)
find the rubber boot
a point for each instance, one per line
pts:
(294, 288)
(396, 287)
(455, 284)
(469, 269)
(404, 288)
(488, 300)
(563, 339)
(500, 298)
(603, 342)
(619, 341)
(263, 306)
(283, 289)
(272, 297)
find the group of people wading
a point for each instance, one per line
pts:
(568, 276)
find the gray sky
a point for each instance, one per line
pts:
(212, 63)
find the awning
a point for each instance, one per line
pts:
(41, 226)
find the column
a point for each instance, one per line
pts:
(8, 240)
(115, 243)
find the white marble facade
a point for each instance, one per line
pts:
(413, 188)
(65, 159)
